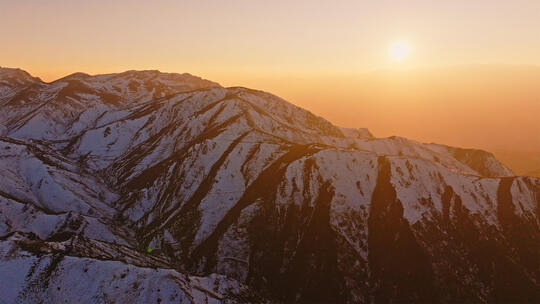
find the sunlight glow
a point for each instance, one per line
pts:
(399, 50)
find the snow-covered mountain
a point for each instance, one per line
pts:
(243, 197)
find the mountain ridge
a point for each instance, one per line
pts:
(238, 183)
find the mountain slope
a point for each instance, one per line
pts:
(241, 183)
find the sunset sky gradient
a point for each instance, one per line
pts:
(330, 57)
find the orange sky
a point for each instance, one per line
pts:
(328, 56)
(493, 107)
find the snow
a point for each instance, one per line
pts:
(52, 279)
(227, 190)
(14, 271)
(20, 217)
(524, 196)
(427, 181)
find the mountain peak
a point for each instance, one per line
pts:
(17, 75)
(143, 75)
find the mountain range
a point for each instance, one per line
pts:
(150, 187)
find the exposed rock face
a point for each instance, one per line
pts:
(246, 197)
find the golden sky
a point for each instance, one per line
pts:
(322, 55)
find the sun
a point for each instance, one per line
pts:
(399, 50)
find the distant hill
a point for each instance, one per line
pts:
(522, 163)
(534, 173)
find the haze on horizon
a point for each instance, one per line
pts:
(469, 79)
